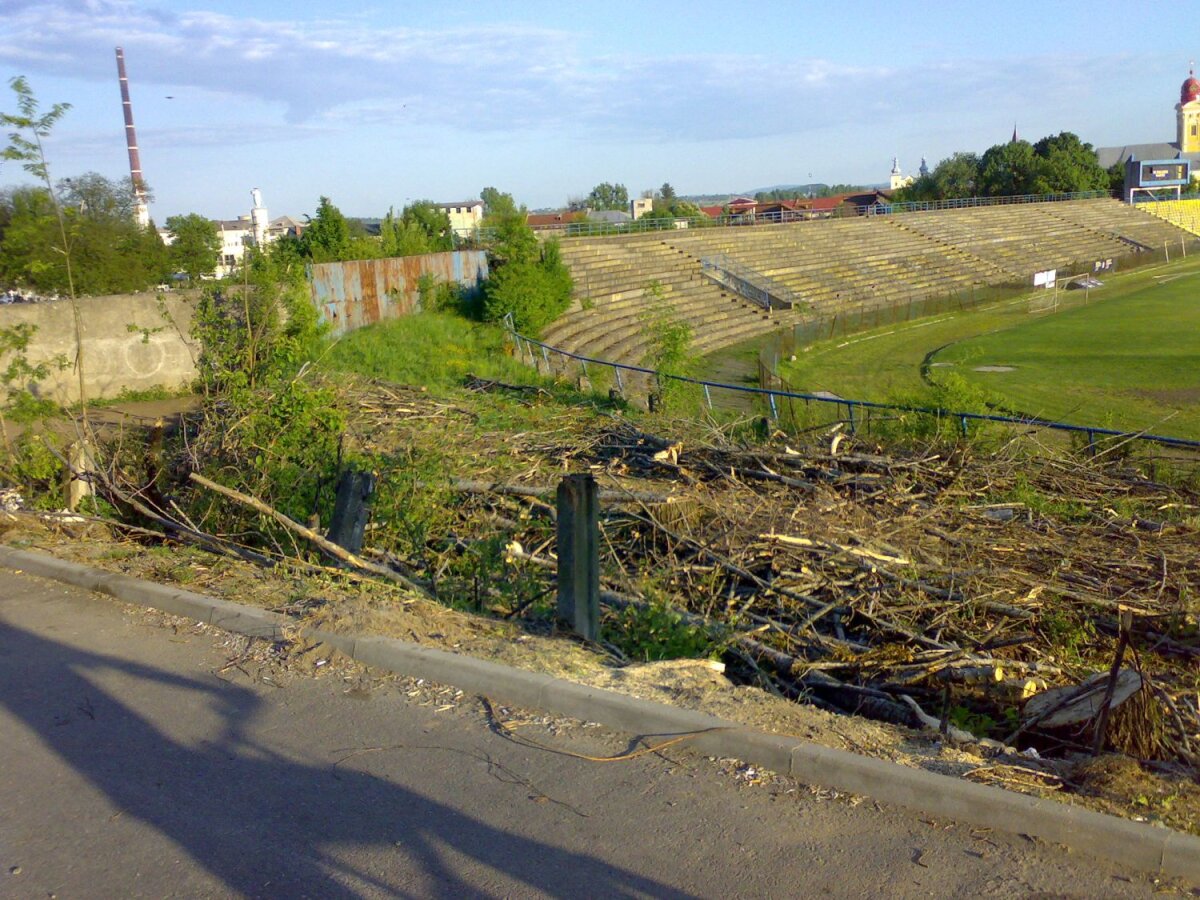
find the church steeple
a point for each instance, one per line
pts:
(1187, 114)
(1016, 137)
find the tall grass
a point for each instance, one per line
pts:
(434, 349)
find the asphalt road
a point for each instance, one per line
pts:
(139, 760)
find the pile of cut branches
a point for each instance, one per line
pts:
(932, 589)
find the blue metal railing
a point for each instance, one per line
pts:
(525, 346)
(972, 202)
(744, 281)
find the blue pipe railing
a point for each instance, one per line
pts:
(647, 224)
(526, 345)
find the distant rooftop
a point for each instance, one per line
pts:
(1111, 156)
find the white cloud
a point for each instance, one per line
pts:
(341, 73)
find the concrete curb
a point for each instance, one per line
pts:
(1145, 847)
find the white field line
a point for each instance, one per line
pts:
(872, 337)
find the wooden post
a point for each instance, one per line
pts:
(80, 469)
(579, 555)
(351, 508)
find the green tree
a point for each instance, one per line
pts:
(113, 254)
(1116, 177)
(1067, 164)
(496, 202)
(31, 246)
(433, 222)
(264, 428)
(513, 241)
(400, 238)
(957, 176)
(26, 145)
(109, 253)
(153, 255)
(666, 193)
(609, 196)
(835, 190)
(30, 127)
(534, 292)
(98, 198)
(527, 279)
(196, 245)
(668, 344)
(258, 332)
(1008, 170)
(327, 237)
(677, 209)
(954, 177)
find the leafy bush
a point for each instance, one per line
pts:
(262, 330)
(29, 465)
(18, 376)
(264, 430)
(949, 394)
(668, 346)
(442, 296)
(527, 280)
(657, 631)
(533, 293)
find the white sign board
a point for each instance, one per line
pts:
(1045, 279)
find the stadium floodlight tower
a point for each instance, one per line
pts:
(141, 209)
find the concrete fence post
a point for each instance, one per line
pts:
(579, 555)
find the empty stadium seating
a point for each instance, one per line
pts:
(1183, 214)
(833, 265)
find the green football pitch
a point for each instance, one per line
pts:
(1127, 358)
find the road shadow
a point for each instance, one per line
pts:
(262, 824)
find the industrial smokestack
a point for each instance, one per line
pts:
(141, 208)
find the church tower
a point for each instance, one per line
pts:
(898, 179)
(1188, 115)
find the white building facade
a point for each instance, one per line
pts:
(465, 216)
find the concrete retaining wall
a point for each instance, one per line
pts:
(143, 341)
(130, 342)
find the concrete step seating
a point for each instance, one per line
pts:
(1180, 214)
(1020, 245)
(614, 275)
(836, 265)
(696, 307)
(711, 331)
(578, 333)
(1112, 216)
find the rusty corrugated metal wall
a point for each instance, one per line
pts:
(349, 295)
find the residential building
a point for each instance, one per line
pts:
(465, 216)
(245, 231)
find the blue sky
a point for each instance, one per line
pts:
(397, 101)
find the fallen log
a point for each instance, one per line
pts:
(325, 546)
